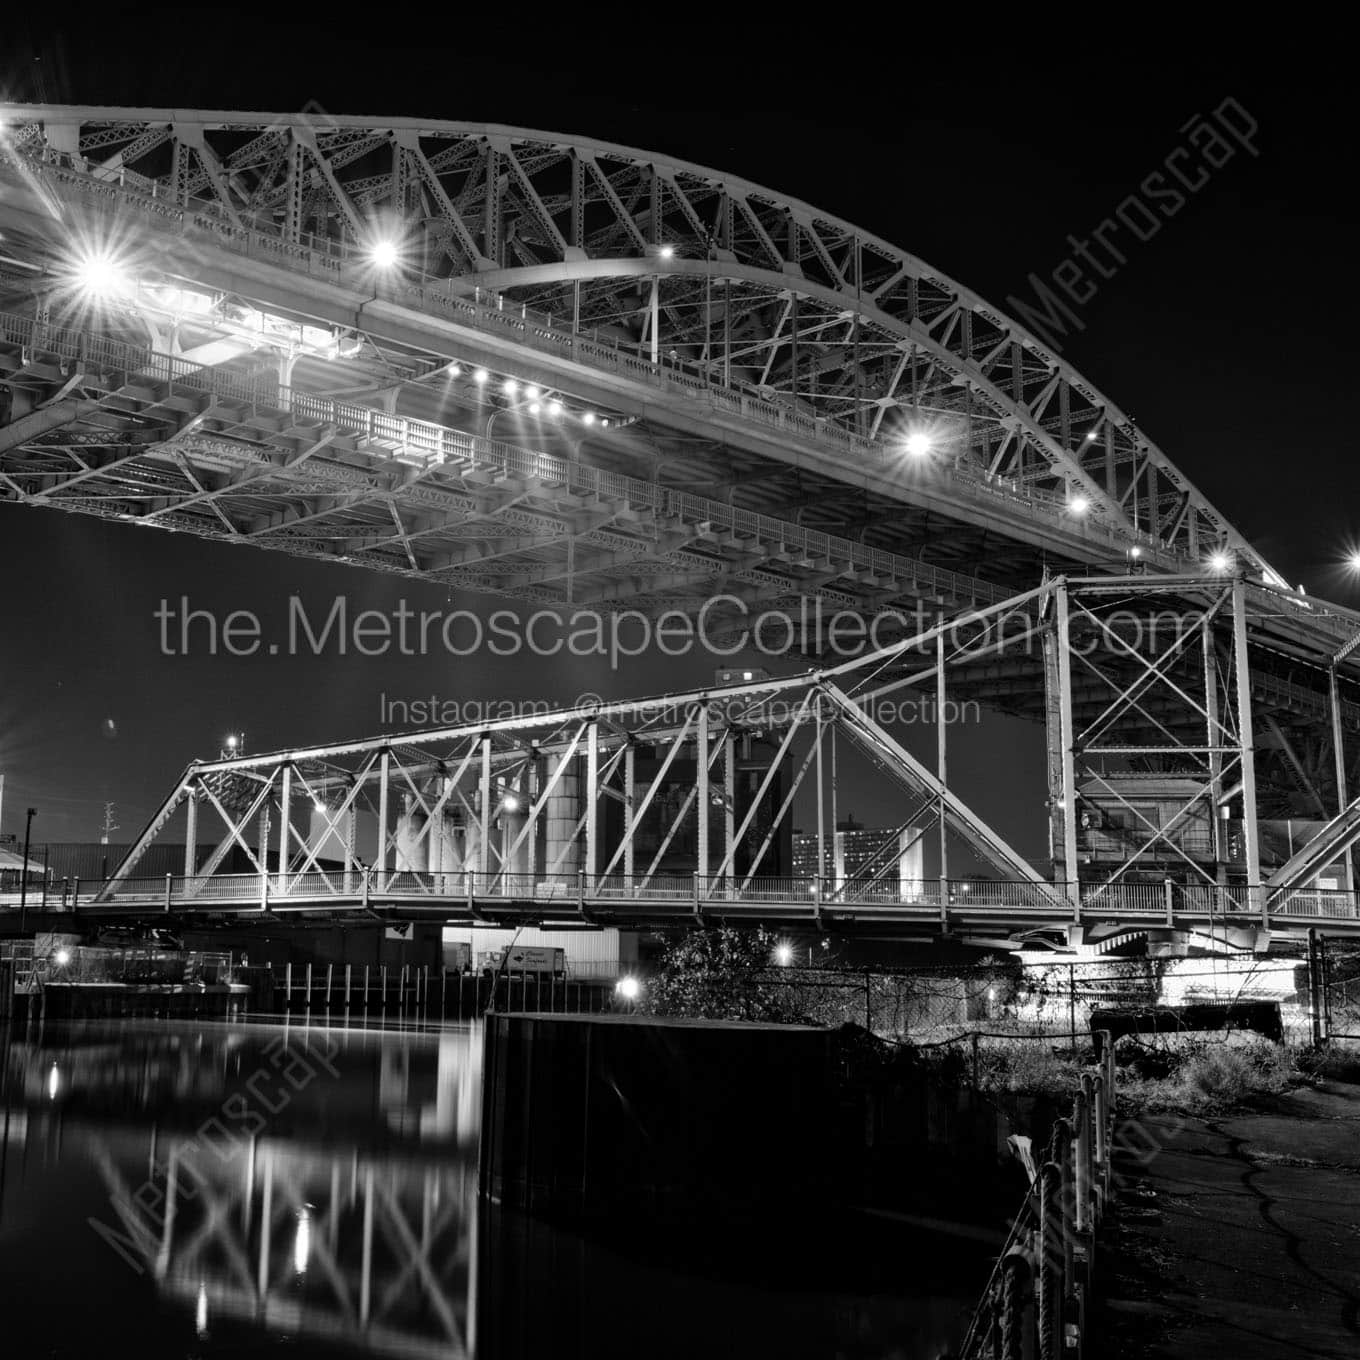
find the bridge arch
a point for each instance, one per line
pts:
(813, 308)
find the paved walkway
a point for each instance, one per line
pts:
(1238, 1236)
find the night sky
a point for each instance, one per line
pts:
(1227, 335)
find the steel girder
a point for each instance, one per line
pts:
(828, 322)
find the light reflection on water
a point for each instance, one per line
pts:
(212, 1189)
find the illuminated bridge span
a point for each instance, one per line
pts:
(681, 808)
(577, 375)
(699, 333)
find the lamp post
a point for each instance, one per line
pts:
(23, 879)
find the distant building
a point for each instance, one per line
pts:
(885, 856)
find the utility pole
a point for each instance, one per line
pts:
(23, 880)
(109, 826)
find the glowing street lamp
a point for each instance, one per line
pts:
(1353, 561)
(629, 988)
(1220, 562)
(1078, 505)
(480, 377)
(918, 444)
(101, 275)
(384, 253)
(783, 953)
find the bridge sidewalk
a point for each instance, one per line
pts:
(1239, 1236)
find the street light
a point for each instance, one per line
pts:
(783, 953)
(23, 881)
(629, 988)
(1078, 505)
(918, 444)
(1220, 562)
(384, 253)
(101, 275)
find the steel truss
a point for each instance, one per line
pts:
(680, 807)
(768, 309)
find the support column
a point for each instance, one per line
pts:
(628, 803)
(730, 801)
(1213, 739)
(655, 315)
(701, 864)
(484, 811)
(1246, 736)
(351, 845)
(285, 810)
(1067, 774)
(191, 834)
(1339, 757)
(821, 800)
(592, 801)
(561, 850)
(941, 764)
(1061, 741)
(380, 859)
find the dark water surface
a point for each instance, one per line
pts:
(216, 1190)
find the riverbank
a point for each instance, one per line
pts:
(1237, 1235)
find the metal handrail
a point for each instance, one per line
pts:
(1134, 902)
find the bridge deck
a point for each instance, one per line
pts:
(965, 906)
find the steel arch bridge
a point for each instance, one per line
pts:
(725, 318)
(581, 375)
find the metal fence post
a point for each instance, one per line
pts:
(1082, 1158)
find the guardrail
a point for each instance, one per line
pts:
(1036, 1300)
(814, 901)
(341, 263)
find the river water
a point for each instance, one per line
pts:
(206, 1189)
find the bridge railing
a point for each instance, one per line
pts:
(790, 897)
(343, 262)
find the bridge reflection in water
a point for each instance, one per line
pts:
(206, 1189)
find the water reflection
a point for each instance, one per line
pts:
(207, 1190)
(311, 1183)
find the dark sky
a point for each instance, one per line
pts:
(1227, 335)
